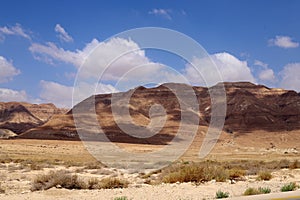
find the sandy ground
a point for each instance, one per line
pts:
(16, 179)
(18, 186)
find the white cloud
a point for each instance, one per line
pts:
(7, 70)
(267, 75)
(61, 95)
(12, 95)
(283, 42)
(50, 52)
(161, 12)
(126, 55)
(291, 77)
(260, 63)
(229, 67)
(14, 30)
(62, 34)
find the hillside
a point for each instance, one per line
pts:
(250, 108)
(19, 117)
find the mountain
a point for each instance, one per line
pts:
(250, 107)
(18, 117)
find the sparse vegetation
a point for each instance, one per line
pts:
(194, 173)
(60, 178)
(264, 176)
(220, 194)
(66, 180)
(2, 190)
(294, 165)
(264, 190)
(110, 183)
(121, 198)
(236, 173)
(255, 191)
(289, 187)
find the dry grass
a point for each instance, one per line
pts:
(60, 178)
(65, 179)
(2, 190)
(255, 191)
(110, 183)
(264, 176)
(194, 172)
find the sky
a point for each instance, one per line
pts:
(44, 43)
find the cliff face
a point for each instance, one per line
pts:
(249, 107)
(20, 117)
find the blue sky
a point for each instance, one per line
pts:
(42, 42)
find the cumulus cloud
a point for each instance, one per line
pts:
(260, 63)
(7, 70)
(14, 30)
(12, 95)
(62, 34)
(112, 58)
(283, 42)
(291, 77)
(228, 66)
(267, 75)
(166, 13)
(61, 95)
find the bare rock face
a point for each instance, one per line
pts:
(20, 117)
(7, 134)
(256, 107)
(249, 107)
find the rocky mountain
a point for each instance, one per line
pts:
(18, 117)
(250, 107)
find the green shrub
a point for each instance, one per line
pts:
(220, 194)
(255, 191)
(289, 187)
(264, 190)
(264, 176)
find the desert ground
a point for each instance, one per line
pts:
(23, 160)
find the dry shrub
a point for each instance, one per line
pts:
(55, 178)
(110, 183)
(264, 176)
(236, 173)
(94, 165)
(295, 165)
(195, 173)
(2, 190)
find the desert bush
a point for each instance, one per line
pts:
(35, 166)
(289, 187)
(110, 183)
(264, 190)
(195, 173)
(94, 183)
(251, 191)
(294, 165)
(236, 173)
(55, 178)
(2, 190)
(264, 176)
(94, 165)
(220, 194)
(121, 198)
